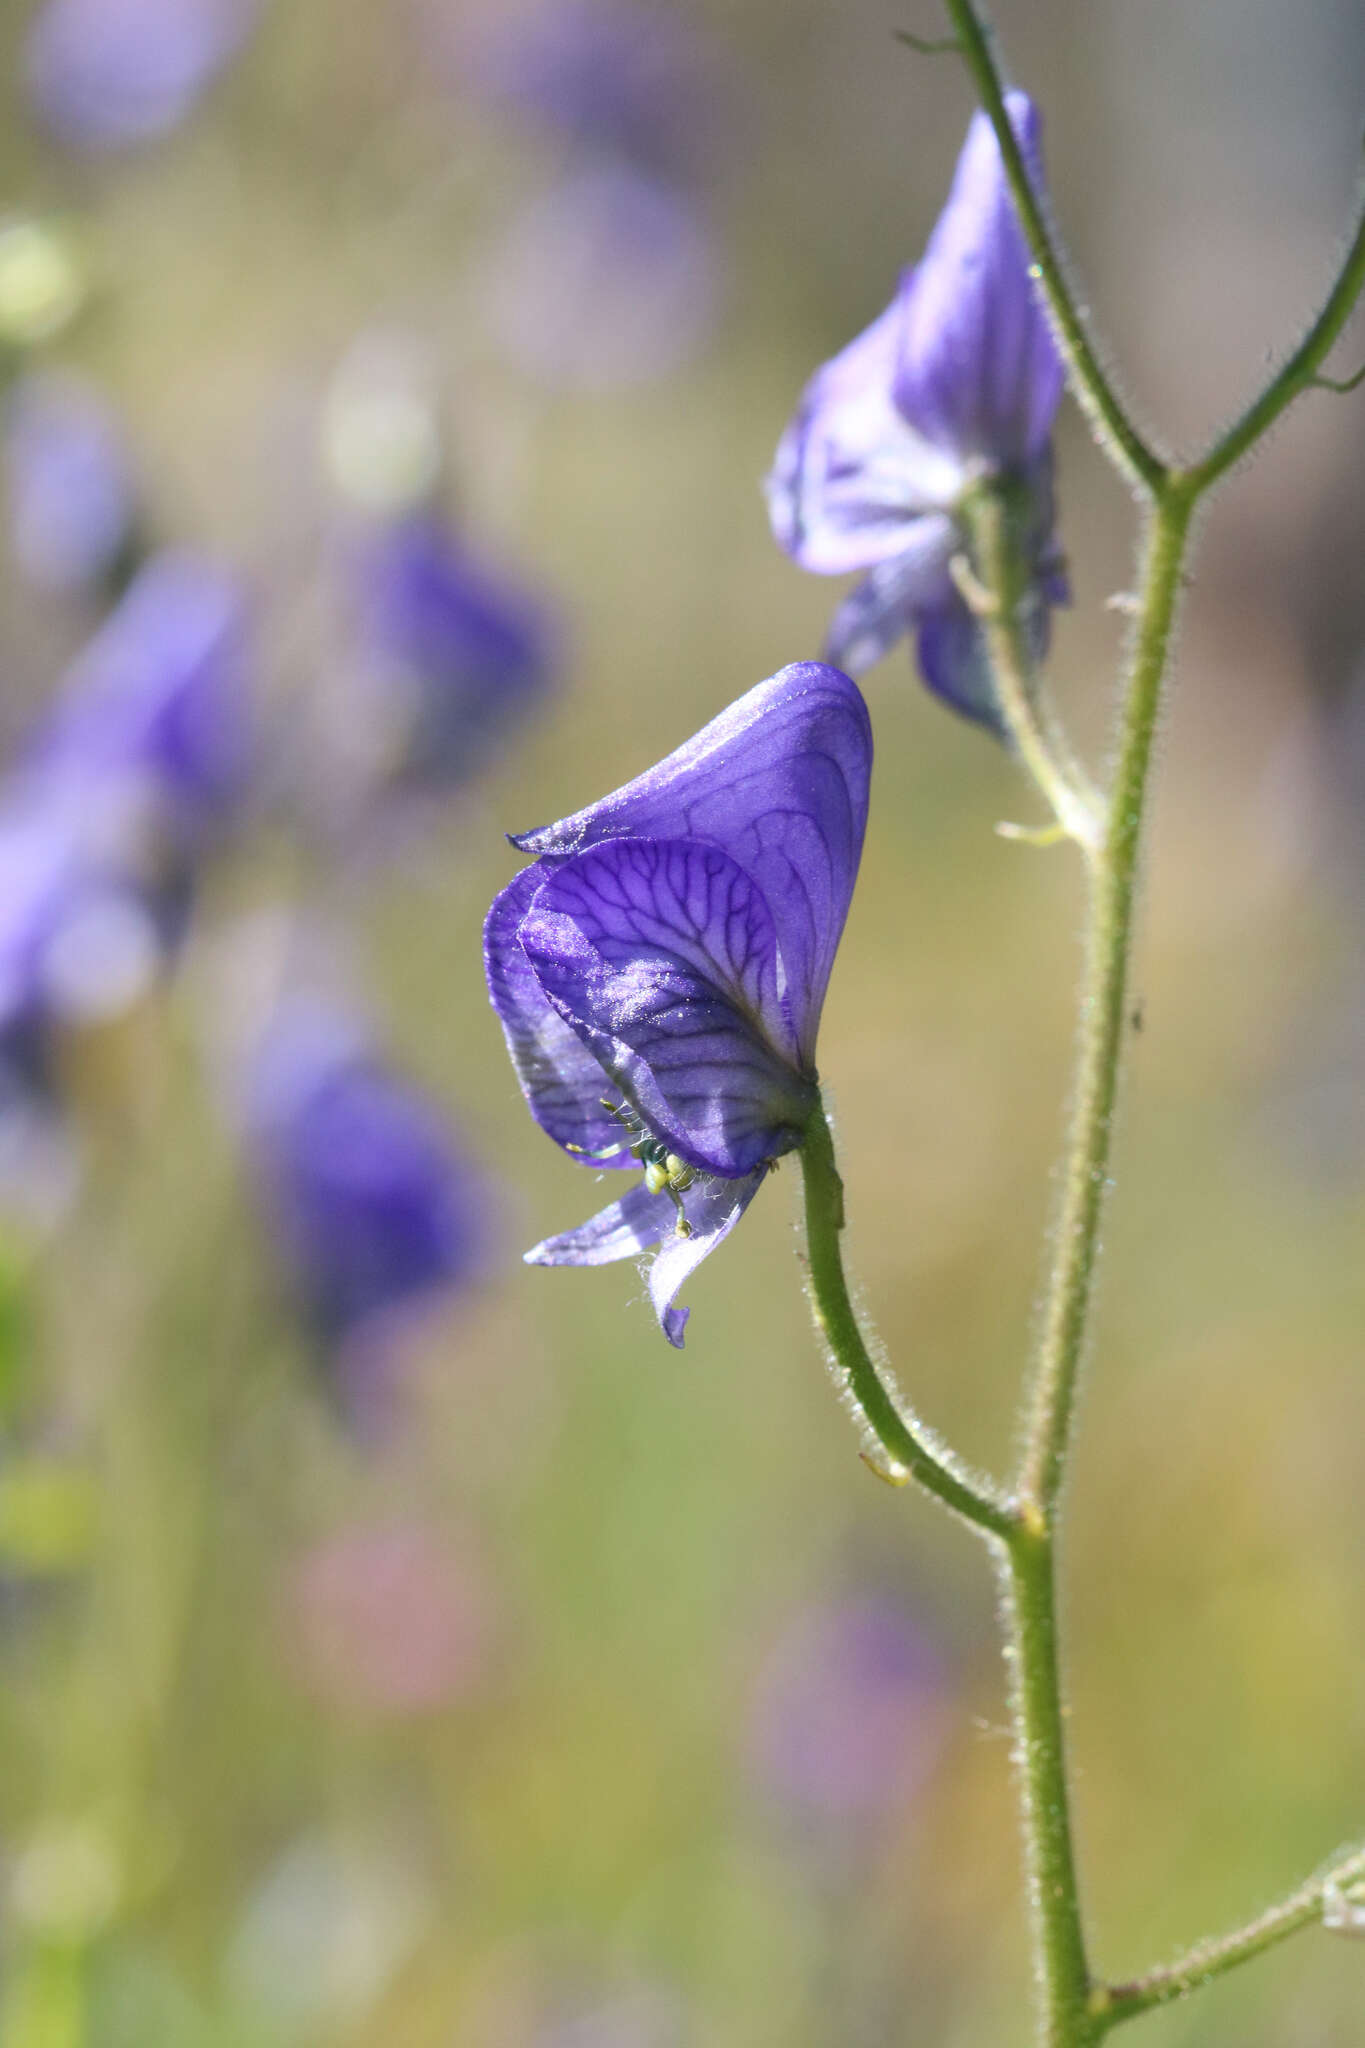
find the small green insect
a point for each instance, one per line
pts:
(665, 1172)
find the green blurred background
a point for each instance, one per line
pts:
(218, 1825)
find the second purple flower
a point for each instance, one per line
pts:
(953, 390)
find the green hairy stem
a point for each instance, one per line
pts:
(913, 1451)
(1075, 2009)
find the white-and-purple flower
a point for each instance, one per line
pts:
(660, 968)
(954, 388)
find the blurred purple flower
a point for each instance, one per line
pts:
(610, 278)
(670, 946)
(101, 828)
(389, 1619)
(102, 824)
(452, 657)
(84, 929)
(83, 936)
(70, 495)
(374, 1207)
(635, 82)
(154, 715)
(849, 1712)
(107, 74)
(954, 389)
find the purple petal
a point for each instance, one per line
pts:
(850, 470)
(639, 1221)
(979, 373)
(662, 956)
(779, 781)
(951, 645)
(953, 660)
(559, 1077)
(951, 650)
(889, 600)
(713, 1210)
(634, 1224)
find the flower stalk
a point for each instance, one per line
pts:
(1103, 1022)
(1073, 2009)
(913, 1450)
(1076, 2010)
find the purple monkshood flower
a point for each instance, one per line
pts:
(660, 968)
(154, 714)
(453, 655)
(954, 389)
(108, 74)
(375, 1208)
(70, 495)
(849, 1710)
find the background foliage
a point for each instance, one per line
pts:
(539, 1720)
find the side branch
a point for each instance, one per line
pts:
(1207, 1960)
(1108, 416)
(1341, 385)
(905, 1440)
(928, 46)
(1300, 373)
